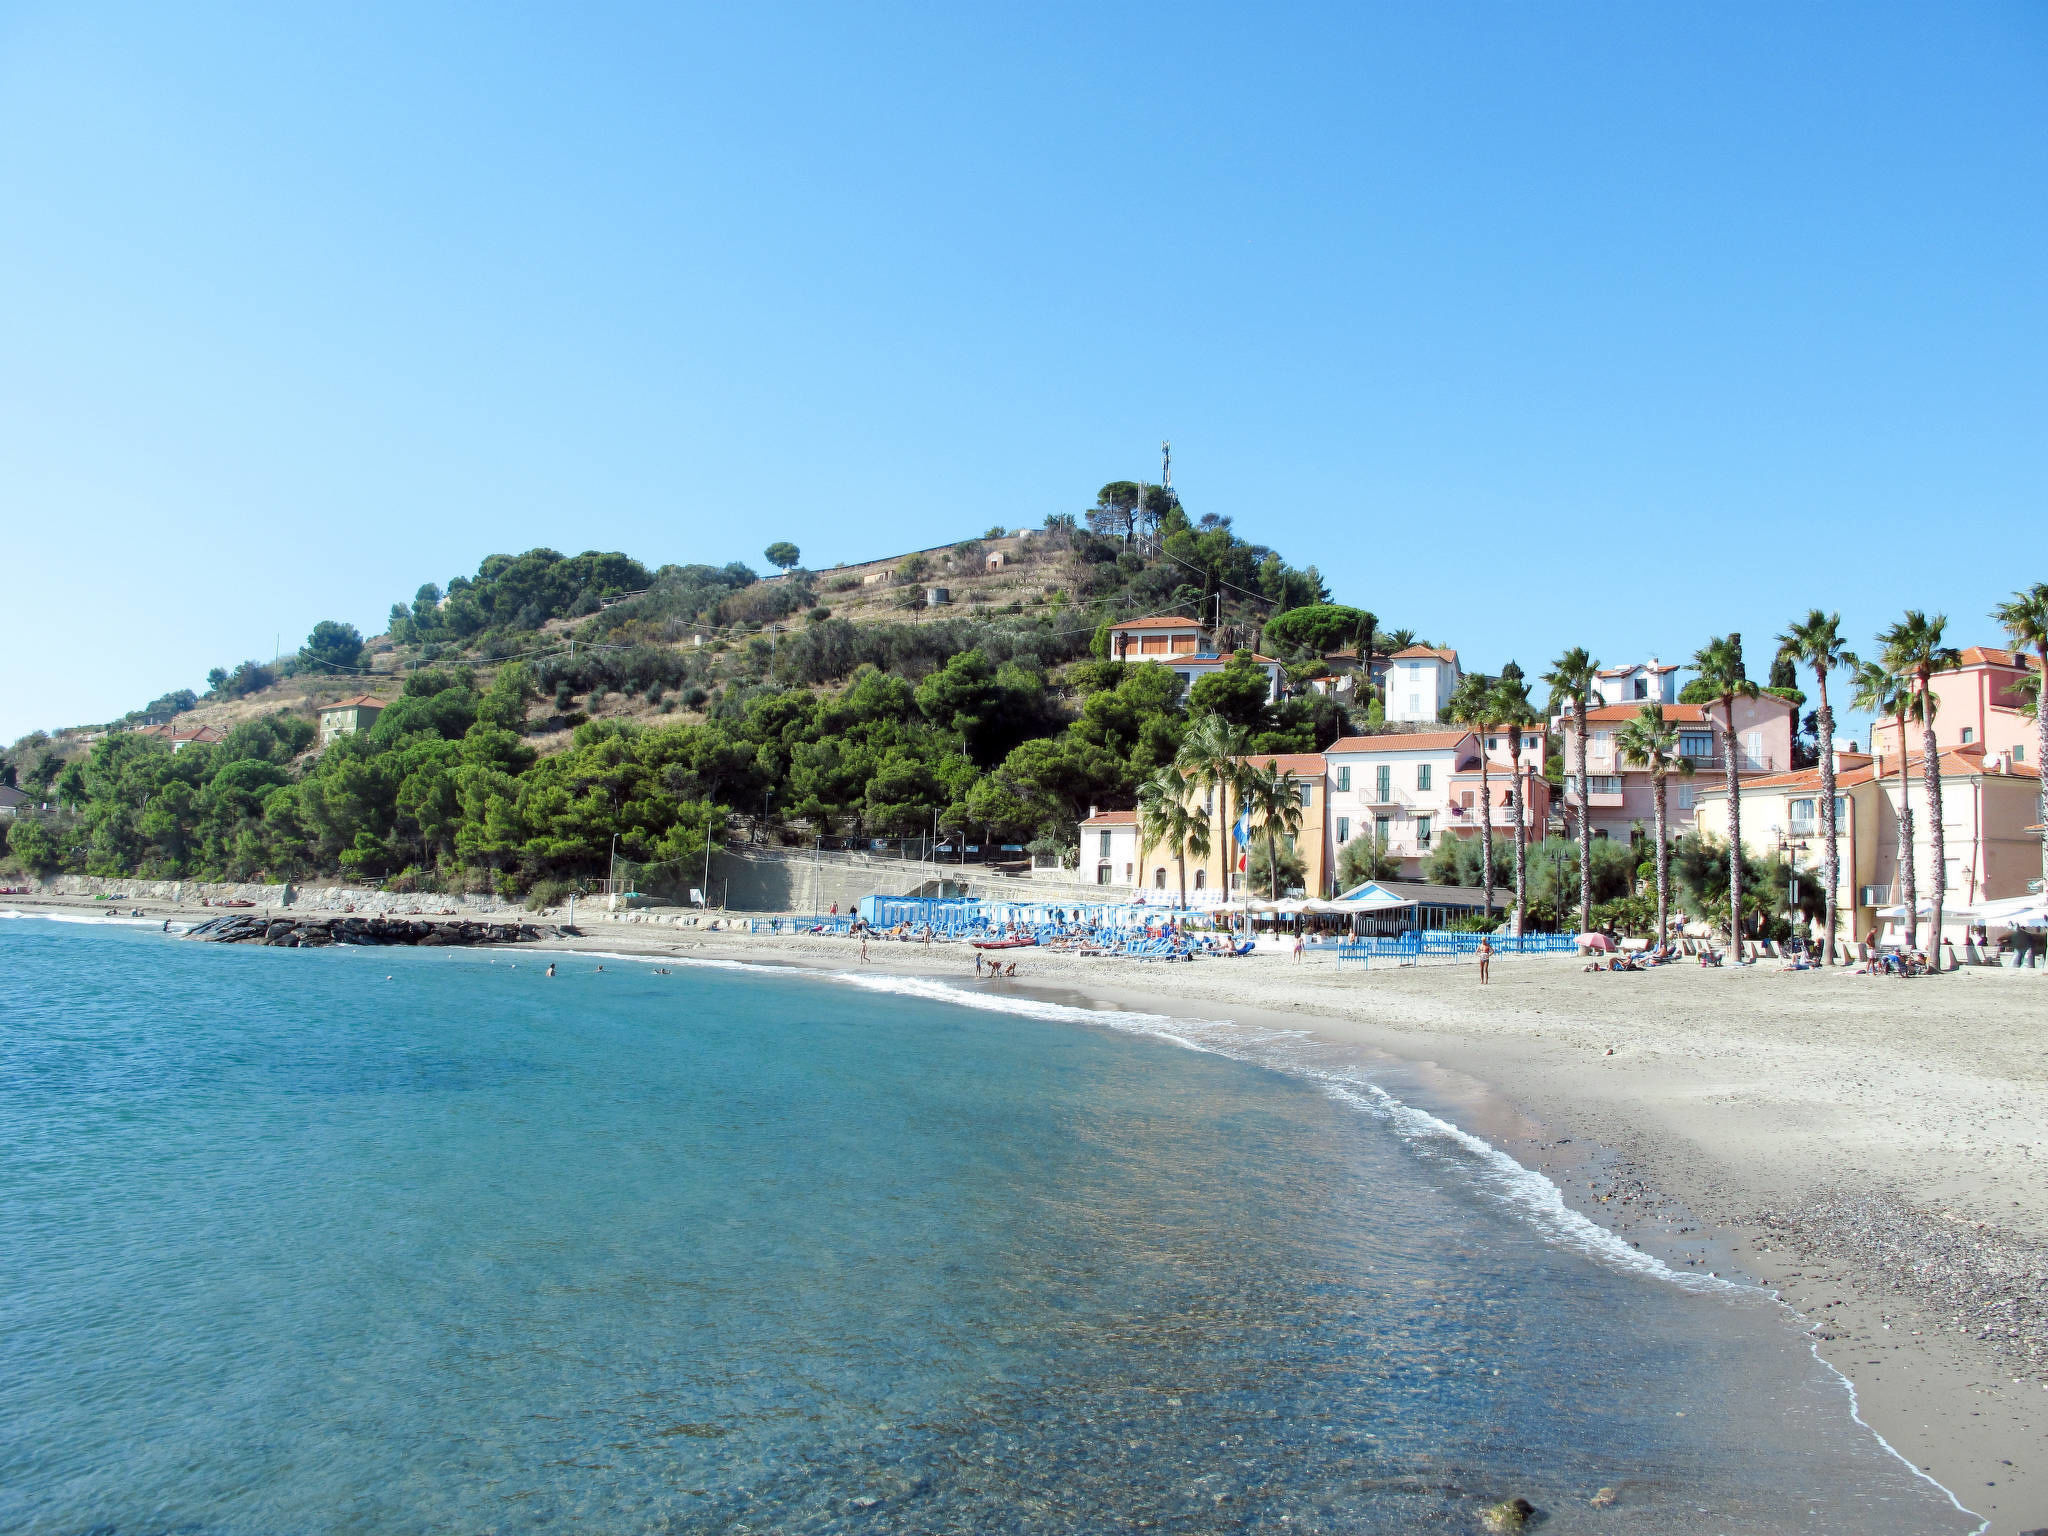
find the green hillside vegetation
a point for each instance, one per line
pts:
(504, 761)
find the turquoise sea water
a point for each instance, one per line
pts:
(420, 1241)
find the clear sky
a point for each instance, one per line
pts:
(1531, 326)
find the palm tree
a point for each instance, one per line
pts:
(1817, 641)
(1165, 820)
(1211, 758)
(1881, 691)
(1571, 678)
(1652, 741)
(1272, 800)
(1512, 710)
(2026, 620)
(1471, 704)
(1914, 646)
(1719, 663)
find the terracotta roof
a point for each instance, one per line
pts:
(1643, 666)
(1956, 762)
(169, 732)
(1299, 763)
(1674, 714)
(1992, 656)
(1112, 819)
(1160, 621)
(359, 700)
(1425, 650)
(1270, 661)
(1415, 741)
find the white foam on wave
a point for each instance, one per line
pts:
(89, 919)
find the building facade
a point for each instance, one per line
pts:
(1986, 805)
(1419, 682)
(1621, 794)
(1184, 646)
(1109, 850)
(1397, 788)
(1647, 682)
(346, 717)
(1979, 704)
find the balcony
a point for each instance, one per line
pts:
(1873, 895)
(1602, 789)
(1382, 796)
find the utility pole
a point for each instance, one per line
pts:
(706, 893)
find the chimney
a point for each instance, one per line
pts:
(1091, 810)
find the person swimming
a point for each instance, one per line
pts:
(551, 967)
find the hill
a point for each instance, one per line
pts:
(535, 710)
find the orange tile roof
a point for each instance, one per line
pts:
(1675, 714)
(1288, 762)
(1160, 621)
(1993, 656)
(1956, 762)
(1424, 650)
(356, 702)
(1416, 741)
(1669, 666)
(1112, 819)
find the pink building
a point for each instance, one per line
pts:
(1620, 794)
(1977, 705)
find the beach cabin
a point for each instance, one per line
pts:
(348, 716)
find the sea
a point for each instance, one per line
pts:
(412, 1241)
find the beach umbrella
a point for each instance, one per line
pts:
(1897, 912)
(1595, 941)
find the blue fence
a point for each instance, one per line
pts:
(1419, 943)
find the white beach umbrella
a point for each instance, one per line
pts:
(1897, 913)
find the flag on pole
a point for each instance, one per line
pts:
(1242, 831)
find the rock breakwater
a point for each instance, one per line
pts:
(317, 932)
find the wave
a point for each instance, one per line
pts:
(88, 919)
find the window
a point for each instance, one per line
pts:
(1753, 744)
(1102, 849)
(1344, 779)
(1159, 879)
(1384, 782)
(1643, 688)
(1422, 775)
(1308, 796)
(1102, 874)
(1493, 743)
(1803, 821)
(1422, 831)
(1343, 830)
(1969, 734)
(2019, 752)
(1201, 879)
(1695, 743)
(1383, 827)
(1414, 703)
(1685, 797)
(1468, 799)
(1841, 810)
(1127, 874)
(1600, 833)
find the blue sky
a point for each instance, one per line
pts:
(1531, 326)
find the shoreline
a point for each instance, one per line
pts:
(1871, 1154)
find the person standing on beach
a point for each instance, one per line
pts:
(863, 947)
(977, 965)
(1485, 959)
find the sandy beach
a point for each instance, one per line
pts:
(1874, 1150)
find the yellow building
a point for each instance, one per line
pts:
(1207, 876)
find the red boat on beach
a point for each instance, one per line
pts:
(1003, 943)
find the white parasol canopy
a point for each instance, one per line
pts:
(1897, 913)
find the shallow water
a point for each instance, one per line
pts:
(286, 1245)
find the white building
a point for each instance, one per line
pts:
(1647, 682)
(1397, 788)
(1109, 849)
(1419, 684)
